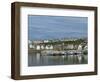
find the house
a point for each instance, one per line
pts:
(80, 47)
(49, 47)
(38, 47)
(46, 41)
(70, 46)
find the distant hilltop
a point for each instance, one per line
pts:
(57, 40)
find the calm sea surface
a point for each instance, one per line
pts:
(38, 59)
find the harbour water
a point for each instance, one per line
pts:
(37, 59)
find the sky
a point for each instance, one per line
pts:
(56, 27)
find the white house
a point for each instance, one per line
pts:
(30, 46)
(38, 47)
(49, 47)
(46, 41)
(42, 47)
(70, 46)
(80, 47)
(86, 47)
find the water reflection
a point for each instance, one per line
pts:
(37, 59)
